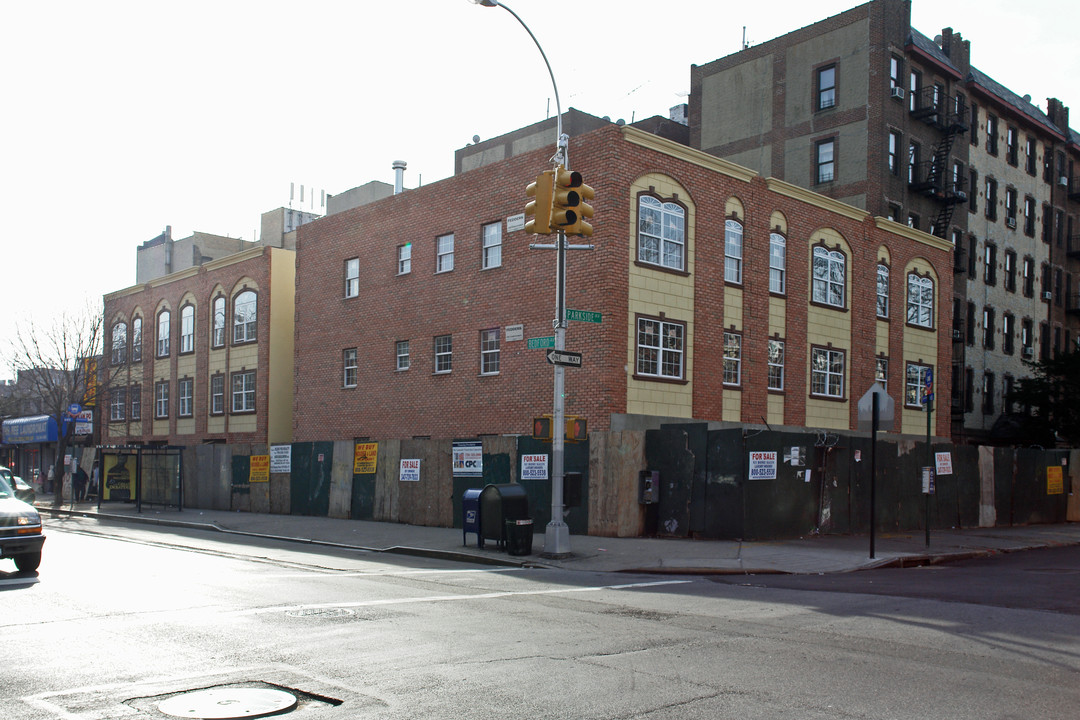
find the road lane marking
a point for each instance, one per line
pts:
(450, 598)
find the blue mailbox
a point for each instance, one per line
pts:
(470, 516)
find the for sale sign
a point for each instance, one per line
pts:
(763, 465)
(534, 467)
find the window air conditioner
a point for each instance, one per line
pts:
(898, 93)
(1029, 352)
(1047, 295)
(1011, 222)
(1063, 181)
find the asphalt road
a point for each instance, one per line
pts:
(120, 619)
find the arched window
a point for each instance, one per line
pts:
(733, 251)
(882, 290)
(119, 343)
(219, 321)
(187, 329)
(920, 300)
(163, 321)
(830, 273)
(661, 233)
(777, 263)
(136, 339)
(244, 317)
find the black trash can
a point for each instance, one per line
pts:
(499, 503)
(519, 536)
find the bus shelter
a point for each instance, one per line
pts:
(141, 474)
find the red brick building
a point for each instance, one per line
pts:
(725, 296)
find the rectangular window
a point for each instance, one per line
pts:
(185, 390)
(776, 365)
(349, 367)
(492, 251)
(404, 259)
(991, 199)
(1010, 270)
(1008, 328)
(1047, 223)
(974, 128)
(915, 384)
(969, 390)
(912, 162)
(881, 372)
(1048, 164)
(826, 81)
(1010, 207)
(117, 404)
(136, 340)
(217, 394)
(973, 256)
(988, 328)
(136, 402)
(661, 233)
(914, 85)
(973, 196)
(163, 334)
(489, 351)
(896, 70)
(882, 291)
(444, 253)
(827, 372)
(1027, 339)
(444, 353)
(969, 326)
(991, 134)
(1029, 277)
(660, 349)
(990, 264)
(243, 392)
(988, 393)
(825, 162)
(1006, 391)
(401, 352)
(187, 329)
(733, 251)
(218, 322)
(352, 277)
(119, 344)
(161, 399)
(777, 263)
(894, 152)
(732, 358)
(1029, 216)
(1012, 149)
(1030, 161)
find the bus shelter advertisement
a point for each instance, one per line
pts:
(119, 477)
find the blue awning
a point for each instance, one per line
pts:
(35, 429)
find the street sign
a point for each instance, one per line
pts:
(541, 342)
(886, 409)
(583, 316)
(564, 357)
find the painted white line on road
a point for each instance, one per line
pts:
(450, 598)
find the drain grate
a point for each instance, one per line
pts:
(228, 703)
(320, 612)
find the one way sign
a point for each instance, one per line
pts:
(564, 357)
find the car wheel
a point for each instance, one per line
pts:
(28, 562)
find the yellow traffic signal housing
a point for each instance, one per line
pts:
(569, 208)
(542, 428)
(538, 212)
(577, 429)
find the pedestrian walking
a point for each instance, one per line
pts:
(78, 482)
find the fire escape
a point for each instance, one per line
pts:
(933, 178)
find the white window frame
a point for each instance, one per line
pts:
(187, 329)
(661, 233)
(117, 404)
(136, 339)
(733, 251)
(352, 277)
(881, 372)
(444, 253)
(404, 259)
(350, 367)
(915, 383)
(401, 352)
(217, 394)
(136, 402)
(185, 393)
(163, 330)
(245, 317)
(827, 289)
(661, 347)
(444, 354)
(119, 343)
(920, 300)
(161, 400)
(882, 290)
(732, 359)
(777, 263)
(219, 312)
(827, 368)
(243, 391)
(776, 364)
(491, 251)
(489, 351)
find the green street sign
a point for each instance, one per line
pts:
(541, 342)
(583, 315)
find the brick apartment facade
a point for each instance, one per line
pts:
(203, 355)
(413, 313)
(864, 108)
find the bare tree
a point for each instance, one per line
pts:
(51, 363)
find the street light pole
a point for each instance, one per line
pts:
(557, 534)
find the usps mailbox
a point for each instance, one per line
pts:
(470, 516)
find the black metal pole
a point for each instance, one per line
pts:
(873, 469)
(929, 465)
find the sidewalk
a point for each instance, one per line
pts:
(807, 555)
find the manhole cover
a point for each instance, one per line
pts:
(320, 612)
(228, 703)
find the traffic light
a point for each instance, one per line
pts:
(542, 428)
(569, 208)
(538, 212)
(577, 429)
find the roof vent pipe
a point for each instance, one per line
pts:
(399, 175)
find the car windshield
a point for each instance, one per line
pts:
(5, 488)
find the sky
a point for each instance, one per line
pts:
(121, 117)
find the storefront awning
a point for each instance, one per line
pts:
(35, 429)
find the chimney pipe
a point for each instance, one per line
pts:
(399, 175)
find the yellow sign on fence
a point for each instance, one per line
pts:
(260, 469)
(365, 457)
(1054, 480)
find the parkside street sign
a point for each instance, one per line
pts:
(583, 315)
(564, 357)
(541, 342)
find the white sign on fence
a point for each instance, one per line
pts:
(762, 465)
(280, 458)
(410, 470)
(534, 467)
